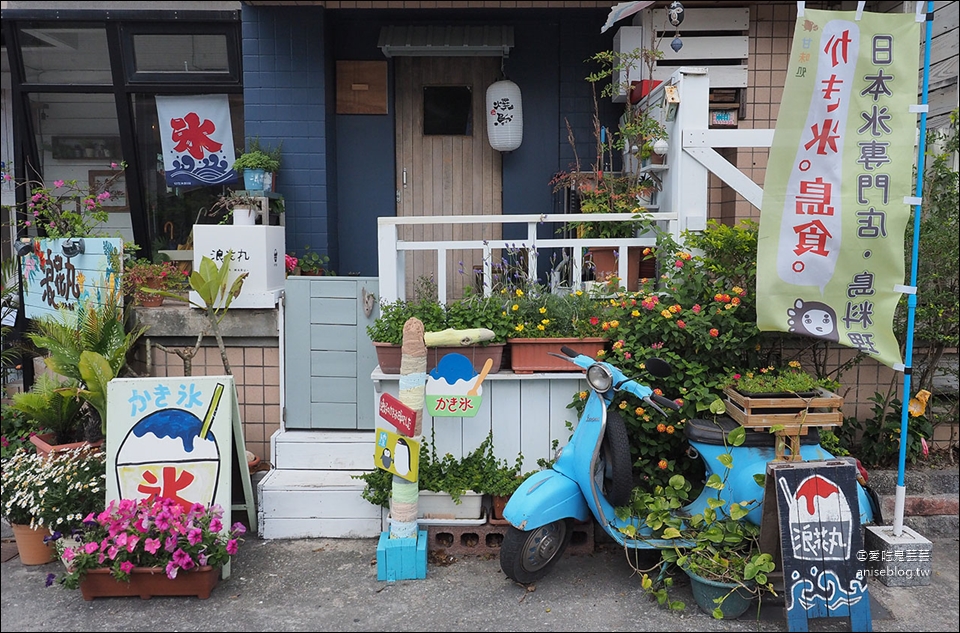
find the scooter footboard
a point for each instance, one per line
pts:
(545, 497)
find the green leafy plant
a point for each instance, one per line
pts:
(388, 327)
(55, 493)
(876, 440)
(224, 207)
(537, 312)
(716, 544)
(313, 261)
(17, 427)
(210, 282)
(256, 159)
(789, 379)
(51, 409)
(91, 350)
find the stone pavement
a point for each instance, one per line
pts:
(331, 585)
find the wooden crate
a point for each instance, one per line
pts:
(794, 413)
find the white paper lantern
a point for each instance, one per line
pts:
(504, 116)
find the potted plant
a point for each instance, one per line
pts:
(716, 547)
(254, 165)
(141, 273)
(156, 546)
(51, 410)
(543, 321)
(784, 381)
(276, 153)
(47, 497)
(313, 263)
(242, 208)
(91, 349)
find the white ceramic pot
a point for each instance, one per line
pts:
(244, 216)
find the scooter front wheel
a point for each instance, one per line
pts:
(526, 557)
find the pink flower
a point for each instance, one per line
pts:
(627, 355)
(126, 567)
(113, 165)
(696, 308)
(151, 545)
(68, 554)
(90, 548)
(714, 332)
(678, 263)
(57, 183)
(681, 324)
(172, 570)
(232, 546)
(195, 536)
(926, 448)
(182, 559)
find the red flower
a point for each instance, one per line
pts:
(681, 324)
(714, 332)
(594, 320)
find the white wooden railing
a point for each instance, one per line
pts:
(392, 249)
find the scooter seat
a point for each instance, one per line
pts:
(714, 433)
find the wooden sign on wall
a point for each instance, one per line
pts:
(53, 280)
(361, 87)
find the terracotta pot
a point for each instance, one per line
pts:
(30, 545)
(389, 356)
(147, 582)
(497, 504)
(528, 355)
(148, 300)
(45, 445)
(606, 262)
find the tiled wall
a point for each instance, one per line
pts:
(256, 373)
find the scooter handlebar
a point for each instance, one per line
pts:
(569, 352)
(667, 402)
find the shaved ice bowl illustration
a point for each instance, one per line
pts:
(164, 454)
(448, 385)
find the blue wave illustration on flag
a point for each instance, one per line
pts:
(211, 170)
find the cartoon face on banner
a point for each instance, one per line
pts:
(170, 437)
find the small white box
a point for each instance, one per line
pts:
(257, 250)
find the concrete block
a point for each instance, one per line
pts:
(897, 561)
(479, 540)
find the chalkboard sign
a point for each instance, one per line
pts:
(820, 536)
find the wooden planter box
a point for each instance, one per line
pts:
(794, 412)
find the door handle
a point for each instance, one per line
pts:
(403, 177)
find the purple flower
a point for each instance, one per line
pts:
(182, 559)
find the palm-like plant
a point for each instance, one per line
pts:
(9, 284)
(92, 350)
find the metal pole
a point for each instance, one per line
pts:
(912, 298)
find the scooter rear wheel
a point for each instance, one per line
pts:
(526, 557)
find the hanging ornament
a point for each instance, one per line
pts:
(676, 44)
(675, 13)
(504, 116)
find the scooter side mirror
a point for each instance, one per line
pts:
(658, 367)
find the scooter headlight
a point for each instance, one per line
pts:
(599, 378)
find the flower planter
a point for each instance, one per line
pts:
(820, 408)
(31, 547)
(44, 444)
(389, 356)
(528, 355)
(147, 582)
(440, 505)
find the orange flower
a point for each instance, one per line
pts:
(662, 464)
(661, 427)
(670, 430)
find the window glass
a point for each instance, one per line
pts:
(172, 211)
(78, 139)
(189, 53)
(55, 54)
(447, 110)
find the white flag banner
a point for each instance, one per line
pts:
(196, 135)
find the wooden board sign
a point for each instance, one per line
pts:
(402, 417)
(397, 454)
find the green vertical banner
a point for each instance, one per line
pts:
(830, 261)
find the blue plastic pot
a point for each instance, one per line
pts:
(705, 591)
(253, 179)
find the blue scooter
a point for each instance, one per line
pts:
(593, 474)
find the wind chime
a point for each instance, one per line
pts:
(675, 15)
